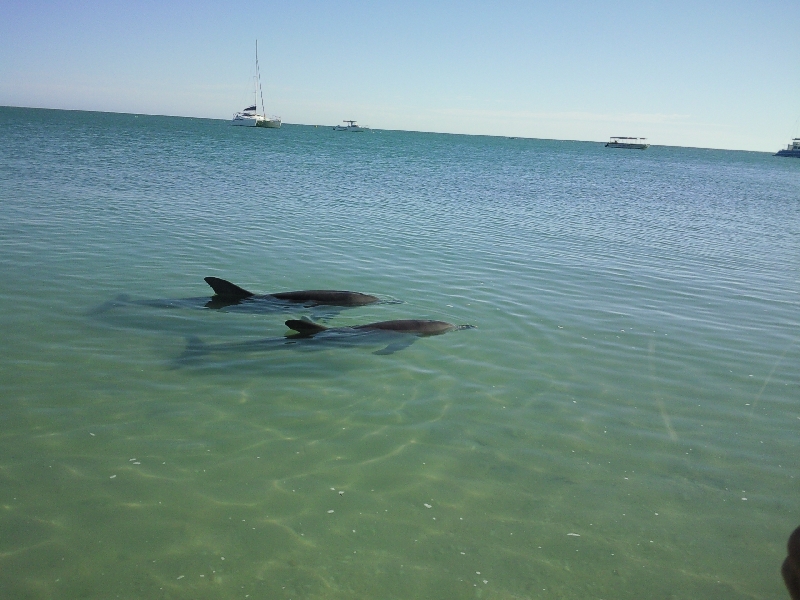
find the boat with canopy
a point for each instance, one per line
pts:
(351, 126)
(631, 143)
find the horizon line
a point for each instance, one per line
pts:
(520, 137)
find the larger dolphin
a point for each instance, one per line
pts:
(230, 295)
(227, 293)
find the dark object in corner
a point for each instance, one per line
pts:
(791, 566)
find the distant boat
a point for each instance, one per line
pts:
(351, 126)
(792, 149)
(631, 143)
(249, 117)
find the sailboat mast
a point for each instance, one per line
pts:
(258, 75)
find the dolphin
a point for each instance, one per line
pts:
(416, 327)
(400, 333)
(309, 336)
(237, 299)
(227, 293)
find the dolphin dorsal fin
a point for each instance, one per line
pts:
(226, 289)
(304, 326)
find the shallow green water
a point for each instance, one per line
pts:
(623, 422)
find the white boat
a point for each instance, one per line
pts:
(351, 126)
(249, 117)
(631, 143)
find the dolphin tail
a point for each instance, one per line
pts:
(226, 289)
(304, 326)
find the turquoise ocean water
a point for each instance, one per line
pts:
(622, 423)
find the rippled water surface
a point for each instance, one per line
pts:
(622, 422)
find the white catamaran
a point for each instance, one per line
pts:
(249, 117)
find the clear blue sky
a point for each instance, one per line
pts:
(722, 74)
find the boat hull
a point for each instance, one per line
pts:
(628, 146)
(793, 153)
(240, 121)
(255, 121)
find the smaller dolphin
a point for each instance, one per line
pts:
(310, 336)
(791, 566)
(227, 293)
(417, 327)
(402, 332)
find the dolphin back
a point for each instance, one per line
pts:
(304, 327)
(226, 289)
(327, 297)
(414, 326)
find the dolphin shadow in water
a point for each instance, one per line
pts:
(310, 336)
(791, 566)
(231, 296)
